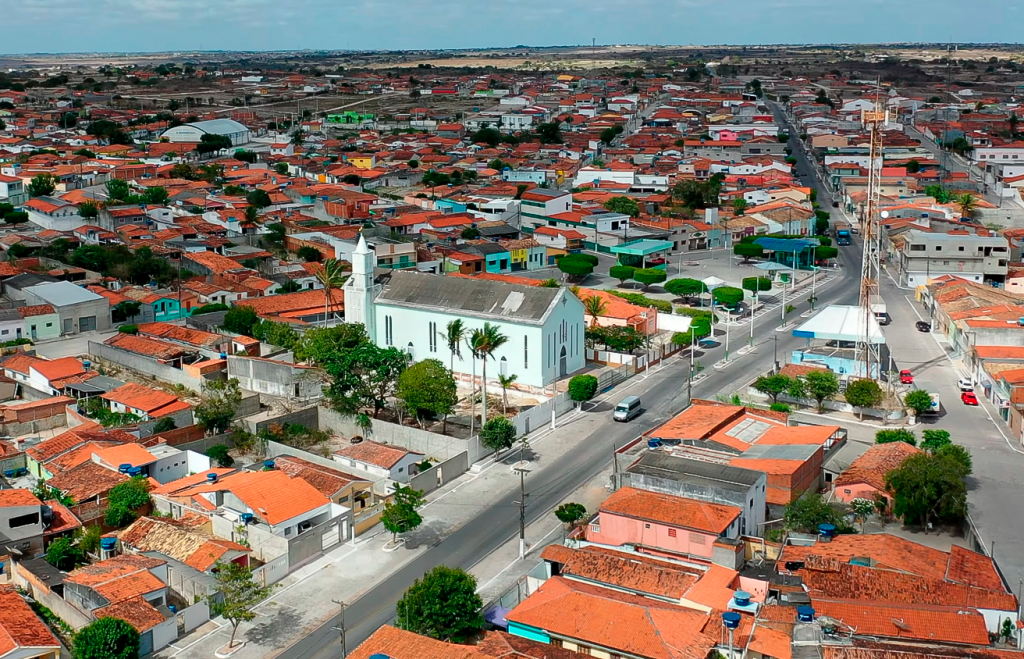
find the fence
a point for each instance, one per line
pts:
(193, 616)
(310, 544)
(272, 571)
(144, 365)
(309, 417)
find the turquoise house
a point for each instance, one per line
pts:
(497, 259)
(160, 306)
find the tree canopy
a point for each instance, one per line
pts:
(928, 489)
(624, 205)
(443, 604)
(685, 287)
(428, 389)
(649, 276)
(106, 638)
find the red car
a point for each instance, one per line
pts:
(969, 398)
(906, 377)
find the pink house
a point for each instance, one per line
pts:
(866, 475)
(663, 522)
(728, 136)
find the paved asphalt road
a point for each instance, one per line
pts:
(663, 395)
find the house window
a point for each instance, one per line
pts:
(526, 351)
(23, 520)
(503, 367)
(432, 328)
(387, 330)
(672, 533)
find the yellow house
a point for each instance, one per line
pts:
(361, 160)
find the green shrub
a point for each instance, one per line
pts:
(128, 329)
(219, 452)
(209, 308)
(644, 301)
(895, 435)
(582, 387)
(780, 407)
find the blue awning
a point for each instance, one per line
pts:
(786, 244)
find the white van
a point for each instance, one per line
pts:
(628, 409)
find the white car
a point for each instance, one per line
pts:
(965, 384)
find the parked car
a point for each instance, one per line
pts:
(969, 398)
(965, 384)
(923, 326)
(906, 377)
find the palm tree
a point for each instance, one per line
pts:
(485, 341)
(331, 276)
(506, 381)
(454, 334)
(967, 203)
(594, 307)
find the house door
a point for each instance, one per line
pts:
(68, 327)
(562, 364)
(87, 323)
(33, 330)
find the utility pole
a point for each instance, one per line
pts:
(776, 359)
(341, 629)
(522, 470)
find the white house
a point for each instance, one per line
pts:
(193, 133)
(52, 213)
(12, 190)
(380, 461)
(544, 326)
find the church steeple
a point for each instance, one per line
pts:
(360, 290)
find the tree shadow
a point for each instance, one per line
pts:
(276, 631)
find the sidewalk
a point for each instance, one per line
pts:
(303, 600)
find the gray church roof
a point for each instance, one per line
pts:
(476, 297)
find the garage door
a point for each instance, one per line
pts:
(86, 323)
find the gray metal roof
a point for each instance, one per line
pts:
(478, 297)
(219, 126)
(780, 452)
(63, 293)
(9, 314)
(662, 464)
(27, 279)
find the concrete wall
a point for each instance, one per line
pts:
(182, 419)
(144, 365)
(539, 416)
(441, 473)
(276, 379)
(309, 417)
(438, 447)
(193, 616)
(314, 542)
(42, 594)
(272, 571)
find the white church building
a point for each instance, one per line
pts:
(544, 326)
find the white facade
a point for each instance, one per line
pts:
(65, 218)
(360, 289)
(536, 353)
(999, 154)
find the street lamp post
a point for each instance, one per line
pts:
(752, 309)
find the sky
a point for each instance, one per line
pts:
(34, 26)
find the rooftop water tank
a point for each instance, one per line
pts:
(211, 477)
(805, 614)
(108, 544)
(246, 518)
(135, 471)
(268, 464)
(742, 598)
(124, 467)
(731, 619)
(654, 442)
(827, 530)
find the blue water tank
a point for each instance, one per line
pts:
(827, 530)
(731, 619)
(172, 608)
(246, 518)
(379, 656)
(135, 471)
(108, 544)
(654, 442)
(211, 477)
(805, 614)
(742, 598)
(124, 467)
(268, 464)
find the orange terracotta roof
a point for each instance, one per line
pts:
(271, 495)
(715, 588)
(120, 577)
(624, 570)
(381, 455)
(136, 611)
(888, 552)
(400, 644)
(58, 368)
(920, 622)
(627, 624)
(151, 401)
(871, 467)
(671, 510)
(20, 627)
(18, 497)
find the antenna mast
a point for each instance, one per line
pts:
(874, 121)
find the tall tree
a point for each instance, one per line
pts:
(331, 276)
(428, 387)
(485, 342)
(928, 488)
(967, 203)
(400, 513)
(443, 604)
(240, 595)
(506, 381)
(42, 185)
